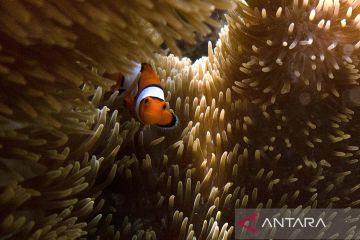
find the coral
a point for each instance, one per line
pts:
(269, 118)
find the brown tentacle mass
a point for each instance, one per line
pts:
(269, 118)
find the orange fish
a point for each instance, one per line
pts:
(144, 97)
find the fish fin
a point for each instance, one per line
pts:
(148, 76)
(129, 103)
(172, 123)
(118, 78)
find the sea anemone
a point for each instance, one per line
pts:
(282, 46)
(265, 120)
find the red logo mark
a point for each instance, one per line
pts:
(252, 219)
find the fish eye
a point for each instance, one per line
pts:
(146, 100)
(164, 106)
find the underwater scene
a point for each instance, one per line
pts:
(160, 119)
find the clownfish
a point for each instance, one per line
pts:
(144, 97)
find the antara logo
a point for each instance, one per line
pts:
(252, 219)
(249, 222)
(293, 222)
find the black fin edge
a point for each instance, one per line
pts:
(174, 122)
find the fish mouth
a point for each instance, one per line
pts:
(173, 124)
